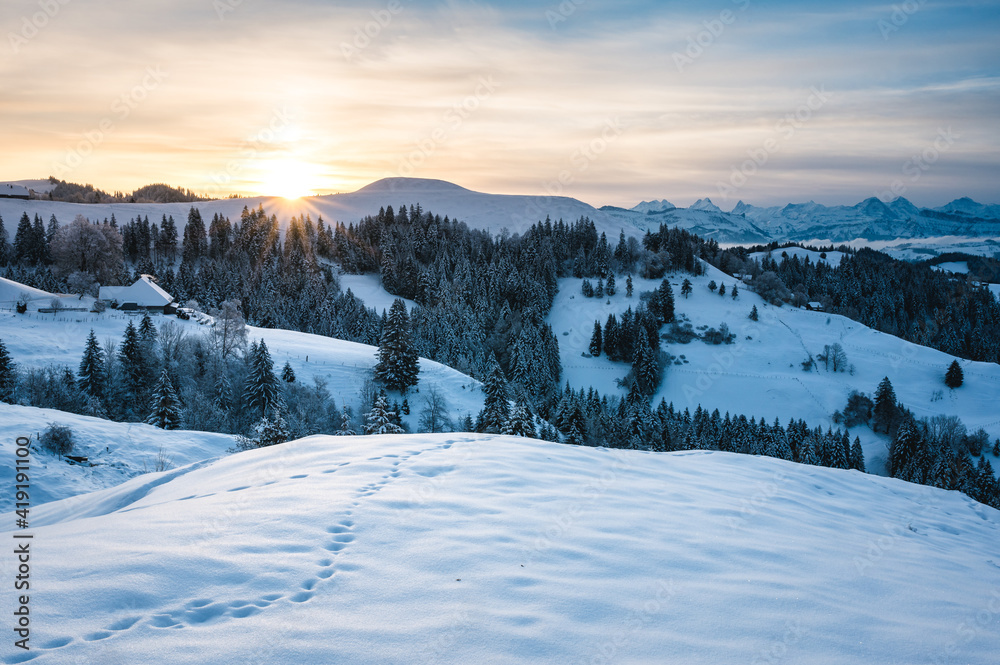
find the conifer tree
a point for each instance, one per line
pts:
(262, 392)
(271, 431)
(644, 365)
(166, 408)
(885, 411)
(903, 447)
(380, 419)
(686, 287)
(5, 248)
(611, 337)
(628, 286)
(722, 289)
(610, 288)
(753, 314)
(662, 302)
(287, 373)
(496, 410)
(397, 366)
(147, 330)
(520, 422)
(346, 428)
(195, 244)
(735, 292)
(954, 377)
(595, 340)
(92, 375)
(135, 372)
(24, 241)
(857, 456)
(8, 375)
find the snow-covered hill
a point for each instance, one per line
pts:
(486, 549)
(870, 220)
(115, 452)
(761, 374)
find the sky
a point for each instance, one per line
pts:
(609, 102)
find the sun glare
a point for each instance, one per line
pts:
(289, 178)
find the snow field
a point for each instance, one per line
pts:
(38, 340)
(118, 451)
(475, 548)
(763, 375)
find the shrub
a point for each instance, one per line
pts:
(977, 441)
(770, 287)
(57, 439)
(858, 410)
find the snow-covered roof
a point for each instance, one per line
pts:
(144, 293)
(7, 189)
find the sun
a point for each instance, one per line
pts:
(289, 178)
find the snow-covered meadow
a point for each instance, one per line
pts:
(761, 373)
(466, 548)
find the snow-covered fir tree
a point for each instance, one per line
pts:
(165, 411)
(380, 419)
(262, 392)
(346, 423)
(496, 409)
(397, 366)
(91, 374)
(520, 422)
(595, 340)
(287, 373)
(8, 375)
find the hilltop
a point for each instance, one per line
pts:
(467, 548)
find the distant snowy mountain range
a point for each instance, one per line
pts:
(871, 219)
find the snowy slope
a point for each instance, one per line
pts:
(833, 258)
(482, 549)
(38, 340)
(117, 451)
(762, 375)
(11, 292)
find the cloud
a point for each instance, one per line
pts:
(374, 89)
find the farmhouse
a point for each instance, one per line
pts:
(9, 191)
(144, 294)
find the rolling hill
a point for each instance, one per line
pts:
(472, 548)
